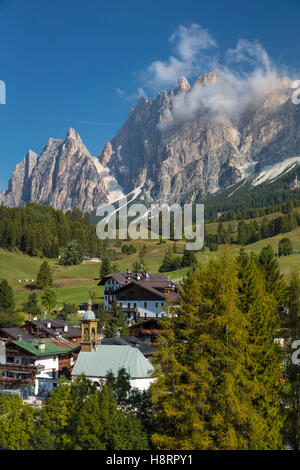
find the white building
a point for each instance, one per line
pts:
(96, 364)
(141, 295)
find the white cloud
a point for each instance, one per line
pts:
(131, 96)
(189, 44)
(120, 92)
(246, 75)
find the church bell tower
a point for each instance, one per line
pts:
(89, 335)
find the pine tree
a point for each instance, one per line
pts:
(7, 301)
(115, 321)
(31, 305)
(188, 259)
(44, 277)
(105, 268)
(49, 299)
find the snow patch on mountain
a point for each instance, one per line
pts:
(114, 190)
(271, 172)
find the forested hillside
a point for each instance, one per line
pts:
(39, 230)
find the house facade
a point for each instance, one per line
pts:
(141, 295)
(38, 363)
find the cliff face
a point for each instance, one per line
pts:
(176, 149)
(64, 176)
(179, 159)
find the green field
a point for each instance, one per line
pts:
(75, 283)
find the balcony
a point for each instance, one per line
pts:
(21, 368)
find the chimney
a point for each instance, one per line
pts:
(49, 325)
(41, 345)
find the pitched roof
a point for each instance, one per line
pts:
(171, 295)
(15, 332)
(52, 346)
(71, 333)
(122, 278)
(106, 358)
(133, 341)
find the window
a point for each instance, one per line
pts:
(145, 304)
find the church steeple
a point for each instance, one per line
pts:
(89, 334)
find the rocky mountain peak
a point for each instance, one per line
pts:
(183, 84)
(206, 79)
(194, 156)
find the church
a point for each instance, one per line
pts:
(95, 360)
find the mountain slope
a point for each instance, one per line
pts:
(64, 176)
(182, 157)
(176, 147)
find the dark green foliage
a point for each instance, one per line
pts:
(44, 277)
(7, 301)
(115, 321)
(73, 254)
(243, 197)
(285, 247)
(31, 305)
(170, 262)
(66, 311)
(120, 386)
(105, 267)
(188, 259)
(78, 416)
(40, 230)
(49, 299)
(128, 249)
(213, 246)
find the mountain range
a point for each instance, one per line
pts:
(172, 147)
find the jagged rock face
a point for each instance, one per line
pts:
(195, 157)
(175, 160)
(64, 176)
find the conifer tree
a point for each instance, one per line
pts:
(203, 398)
(31, 305)
(105, 268)
(44, 277)
(260, 309)
(115, 321)
(269, 266)
(7, 301)
(188, 258)
(292, 396)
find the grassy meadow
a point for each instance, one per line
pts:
(74, 284)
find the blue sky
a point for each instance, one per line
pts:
(83, 64)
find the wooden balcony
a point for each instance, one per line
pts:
(20, 368)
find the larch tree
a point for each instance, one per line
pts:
(292, 395)
(265, 356)
(203, 398)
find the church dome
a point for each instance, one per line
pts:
(89, 314)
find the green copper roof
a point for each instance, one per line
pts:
(51, 347)
(106, 358)
(89, 315)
